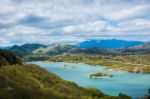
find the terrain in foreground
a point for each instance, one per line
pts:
(18, 81)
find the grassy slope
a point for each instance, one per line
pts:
(33, 82)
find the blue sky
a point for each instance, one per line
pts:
(73, 21)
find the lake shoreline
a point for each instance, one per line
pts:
(107, 67)
(81, 71)
(122, 63)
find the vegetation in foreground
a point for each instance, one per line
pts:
(33, 82)
(19, 81)
(130, 63)
(100, 75)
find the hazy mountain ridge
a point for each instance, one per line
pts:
(140, 49)
(55, 49)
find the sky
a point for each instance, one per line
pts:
(73, 21)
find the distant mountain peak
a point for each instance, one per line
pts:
(58, 44)
(109, 43)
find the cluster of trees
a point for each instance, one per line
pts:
(8, 58)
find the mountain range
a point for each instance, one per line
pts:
(104, 47)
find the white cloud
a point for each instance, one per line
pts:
(136, 26)
(91, 27)
(130, 12)
(46, 21)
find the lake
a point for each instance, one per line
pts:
(132, 84)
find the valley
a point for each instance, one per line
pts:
(134, 58)
(110, 64)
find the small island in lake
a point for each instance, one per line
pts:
(100, 75)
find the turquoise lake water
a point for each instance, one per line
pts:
(135, 85)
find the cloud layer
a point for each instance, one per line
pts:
(73, 21)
